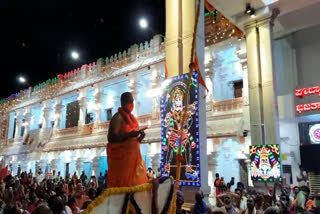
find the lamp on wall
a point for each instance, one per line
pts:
(250, 10)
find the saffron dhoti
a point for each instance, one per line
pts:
(126, 166)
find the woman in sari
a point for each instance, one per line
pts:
(126, 167)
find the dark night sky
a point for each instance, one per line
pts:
(37, 36)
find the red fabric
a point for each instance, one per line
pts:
(126, 167)
(208, 6)
(217, 184)
(166, 69)
(4, 172)
(131, 122)
(31, 208)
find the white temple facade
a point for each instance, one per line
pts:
(62, 125)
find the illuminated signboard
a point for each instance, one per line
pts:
(265, 163)
(314, 133)
(302, 92)
(172, 111)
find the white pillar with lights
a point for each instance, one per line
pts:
(98, 103)
(156, 80)
(133, 86)
(263, 102)
(26, 123)
(19, 118)
(57, 113)
(82, 99)
(46, 109)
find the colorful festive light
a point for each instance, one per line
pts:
(265, 162)
(314, 133)
(171, 107)
(307, 91)
(308, 107)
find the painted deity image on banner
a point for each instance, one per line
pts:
(172, 112)
(265, 162)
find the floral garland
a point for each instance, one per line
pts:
(114, 191)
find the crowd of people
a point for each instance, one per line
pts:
(24, 194)
(280, 199)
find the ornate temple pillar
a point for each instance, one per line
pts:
(19, 118)
(98, 103)
(23, 165)
(155, 161)
(46, 114)
(133, 87)
(212, 165)
(95, 166)
(26, 123)
(79, 165)
(57, 111)
(82, 99)
(262, 95)
(242, 55)
(54, 165)
(155, 81)
(43, 165)
(180, 22)
(250, 183)
(209, 80)
(14, 167)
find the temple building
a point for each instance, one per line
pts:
(61, 125)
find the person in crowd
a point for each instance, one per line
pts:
(200, 207)
(222, 186)
(180, 202)
(250, 206)
(231, 181)
(74, 177)
(271, 210)
(126, 166)
(58, 176)
(217, 182)
(228, 204)
(30, 173)
(42, 209)
(106, 179)
(73, 205)
(83, 177)
(80, 196)
(150, 173)
(101, 180)
(92, 193)
(302, 178)
(56, 205)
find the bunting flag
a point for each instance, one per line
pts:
(197, 67)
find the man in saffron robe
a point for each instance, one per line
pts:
(126, 167)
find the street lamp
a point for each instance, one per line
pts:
(75, 55)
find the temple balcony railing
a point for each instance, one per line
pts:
(224, 108)
(94, 128)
